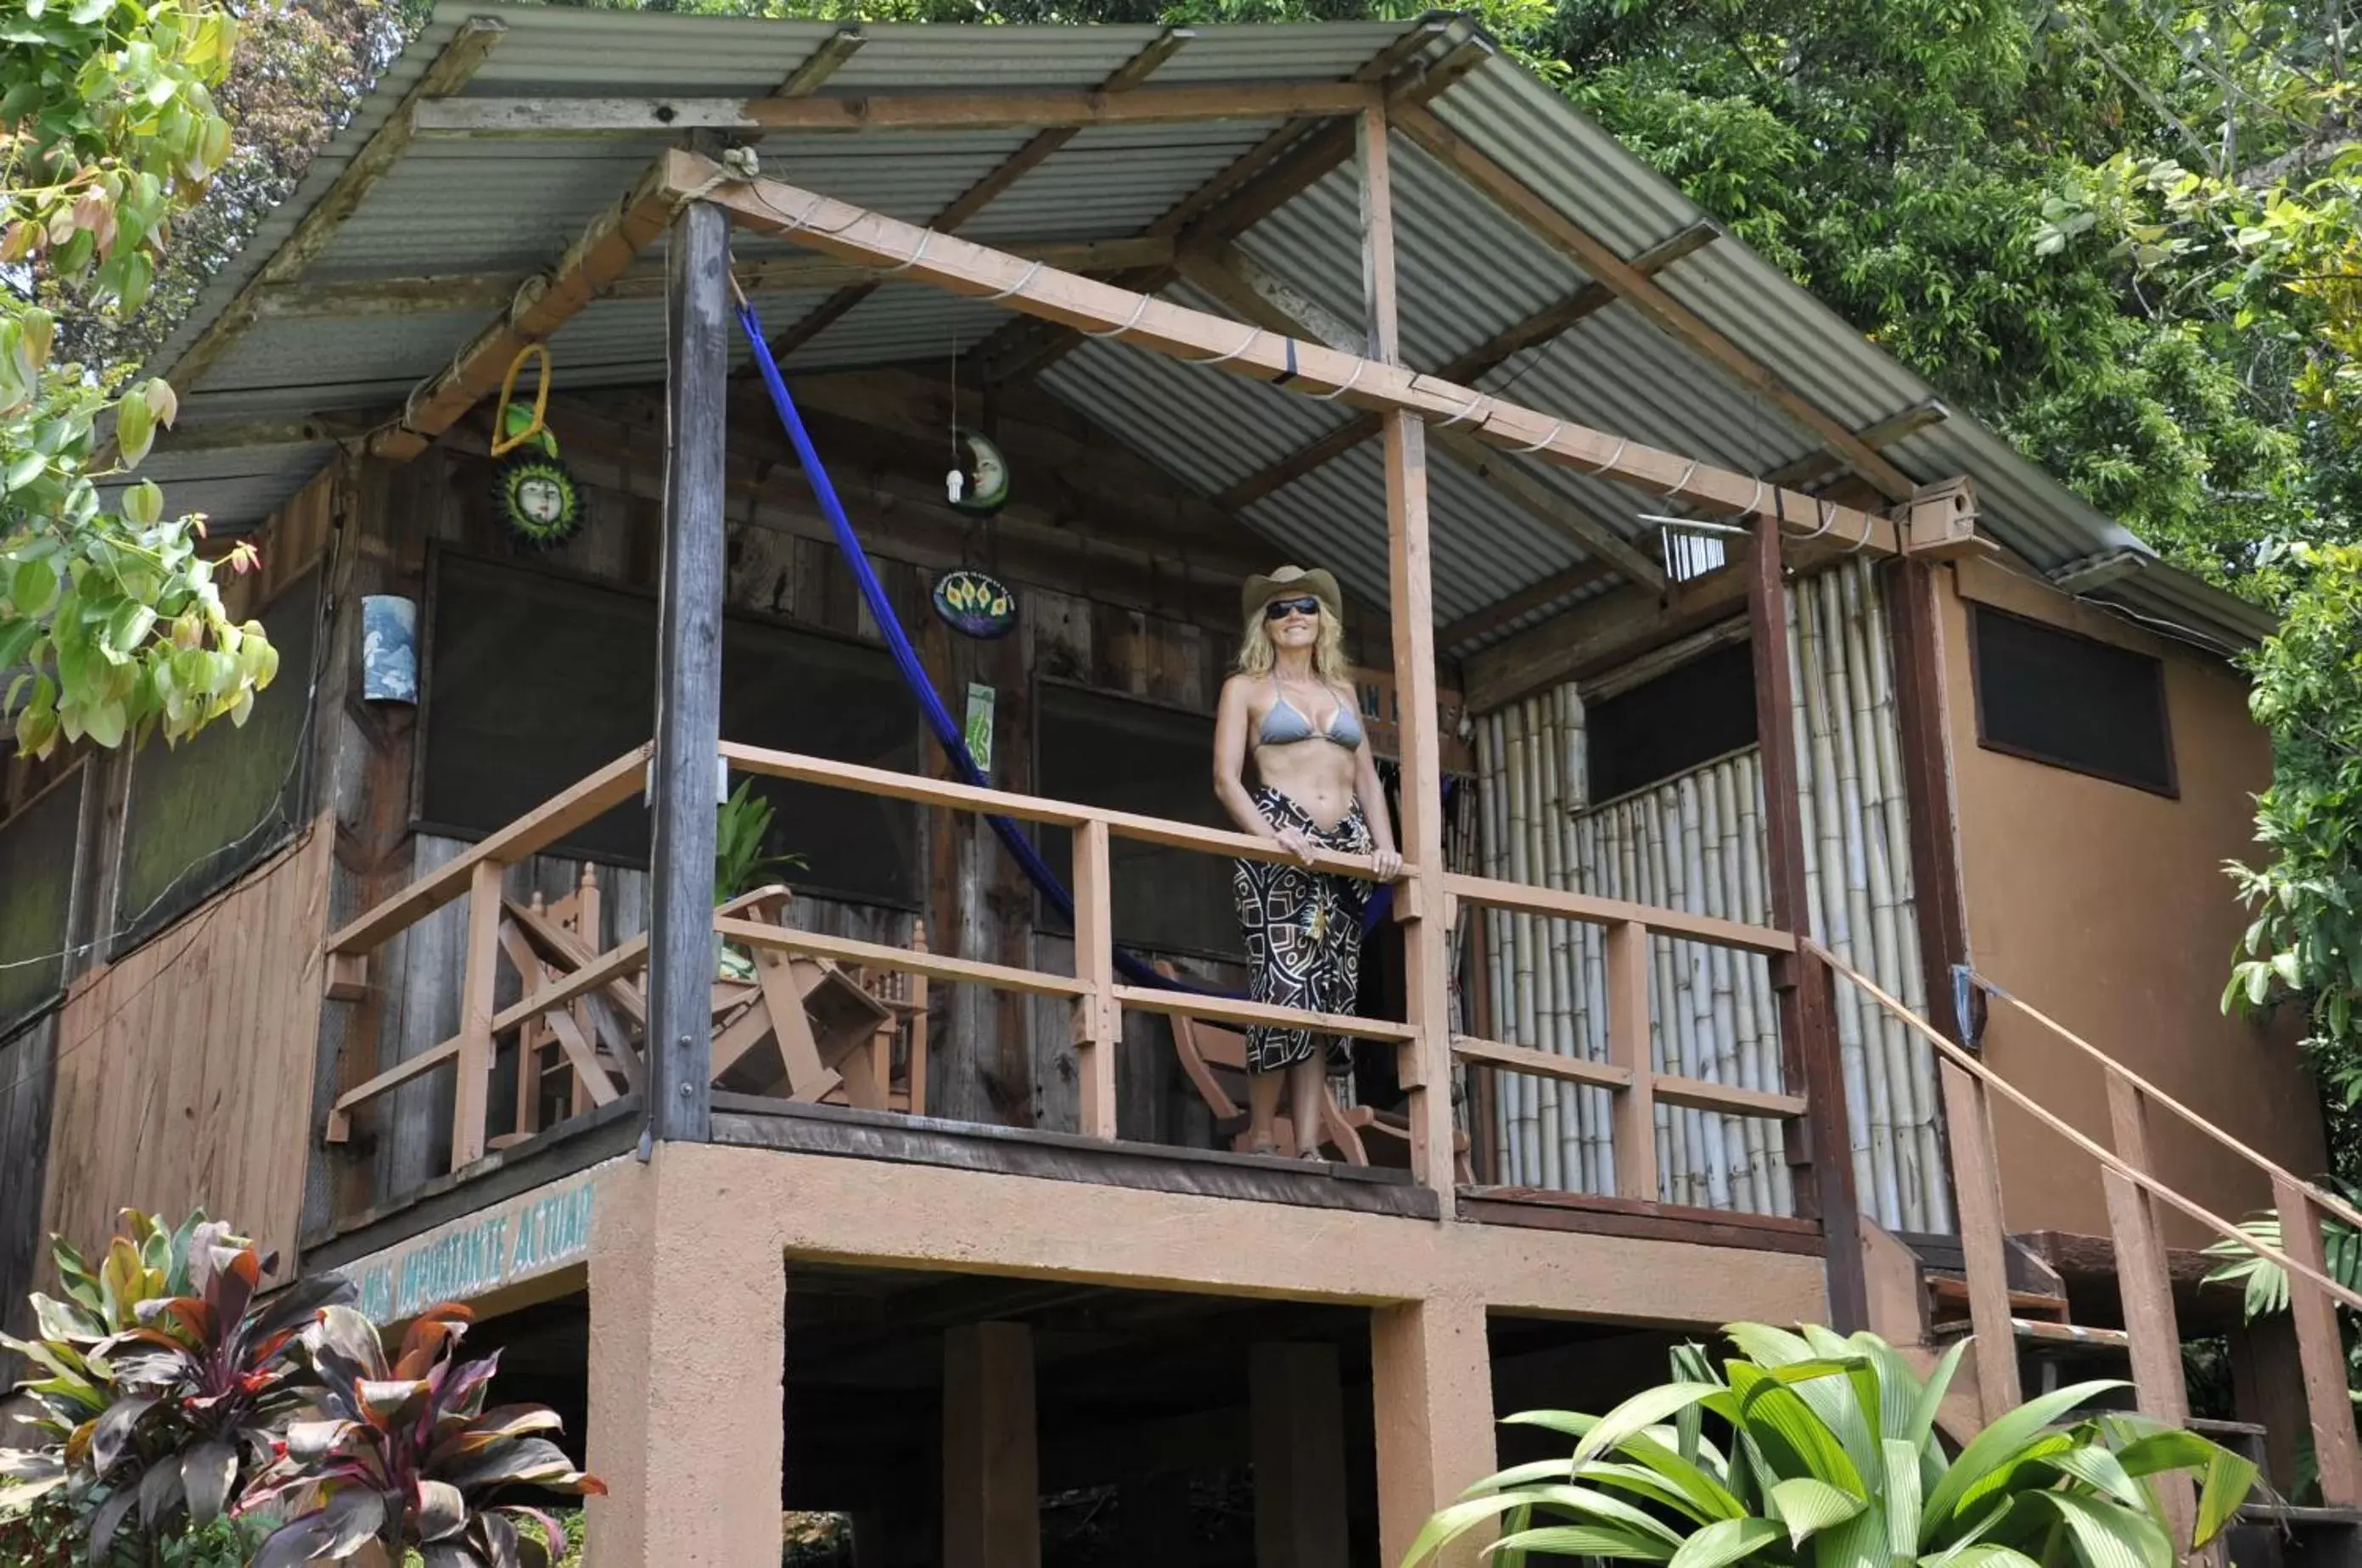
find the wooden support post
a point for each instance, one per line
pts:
(2144, 1286)
(479, 975)
(1635, 1129)
(1923, 719)
(1432, 1389)
(1985, 1241)
(688, 682)
(1424, 1067)
(2320, 1349)
(991, 1459)
(1808, 1033)
(1099, 1018)
(1297, 1412)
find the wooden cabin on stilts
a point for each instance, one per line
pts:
(1810, 810)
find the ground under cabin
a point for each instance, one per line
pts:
(1721, 674)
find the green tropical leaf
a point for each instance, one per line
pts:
(2000, 1446)
(1585, 1540)
(1807, 1506)
(1725, 1541)
(1901, 1497)
(2107, 1536)
(1643, 1410)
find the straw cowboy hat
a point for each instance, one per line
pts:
(1261, 590)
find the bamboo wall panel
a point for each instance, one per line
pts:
(184, 1069)
(1695, 842)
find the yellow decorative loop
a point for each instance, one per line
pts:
(505, 445)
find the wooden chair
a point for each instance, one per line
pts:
(853, 1036)
(1215, 1061)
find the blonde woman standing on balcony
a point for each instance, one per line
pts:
(1291, 705)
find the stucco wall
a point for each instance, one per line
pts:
(2106, 907)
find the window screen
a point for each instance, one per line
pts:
(203, 811)
(1098, 749)
(535, 680)
(1691, 715)
(2071, 702)
(37, 871)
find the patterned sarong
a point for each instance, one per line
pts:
(1303, 934)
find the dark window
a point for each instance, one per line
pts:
(203, 811)
(2071, 702)
(1701, 710)
(37, 872)
(1095, 749)
(535, 680)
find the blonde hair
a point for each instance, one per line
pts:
(1257, 656)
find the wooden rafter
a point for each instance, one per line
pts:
(977, 197)
(1261, 297)
(447, 73)
(604, 254)
(823, 63)
(892, 111)
(1277, 169)
(1524, 602)
(1513, 196)
(1537, 328)
(351, 299)
(962, 267)
(1814, 467)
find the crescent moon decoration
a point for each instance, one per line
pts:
(975, 605)
(984, 475)
(538, 499)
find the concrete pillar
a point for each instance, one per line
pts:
(992, 1491)
(1431, 1393)
(687, 1350)
(1296, 1413)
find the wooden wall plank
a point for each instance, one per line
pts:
(185, 1066)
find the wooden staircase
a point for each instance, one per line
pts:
(2022, 1321)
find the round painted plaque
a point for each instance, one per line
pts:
(975, 605)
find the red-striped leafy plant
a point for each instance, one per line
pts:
(203, 1385)
(406, 1456)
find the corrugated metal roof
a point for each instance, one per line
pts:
(511, 205)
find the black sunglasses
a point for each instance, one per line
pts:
(1279, 609)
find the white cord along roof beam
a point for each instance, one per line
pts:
(962, 267)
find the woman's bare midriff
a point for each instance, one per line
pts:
(1318, 773)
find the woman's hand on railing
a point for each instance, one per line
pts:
(1388, 864)
(1293, 840)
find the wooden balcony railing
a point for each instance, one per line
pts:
(1628, 1074)
(1098, 998)
(2134, 1195)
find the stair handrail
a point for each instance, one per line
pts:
(2319, 1195)
(1969, 1063)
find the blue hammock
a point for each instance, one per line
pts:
(914, 676)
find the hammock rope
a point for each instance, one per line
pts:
(946, 732)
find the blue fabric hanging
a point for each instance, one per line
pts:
(947, 732)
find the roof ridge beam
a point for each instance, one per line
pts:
(447, 73)
(362, 298)
(965, 206)
(449, 117)
(963, 267)
(1596, 256)
(1539, 328)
